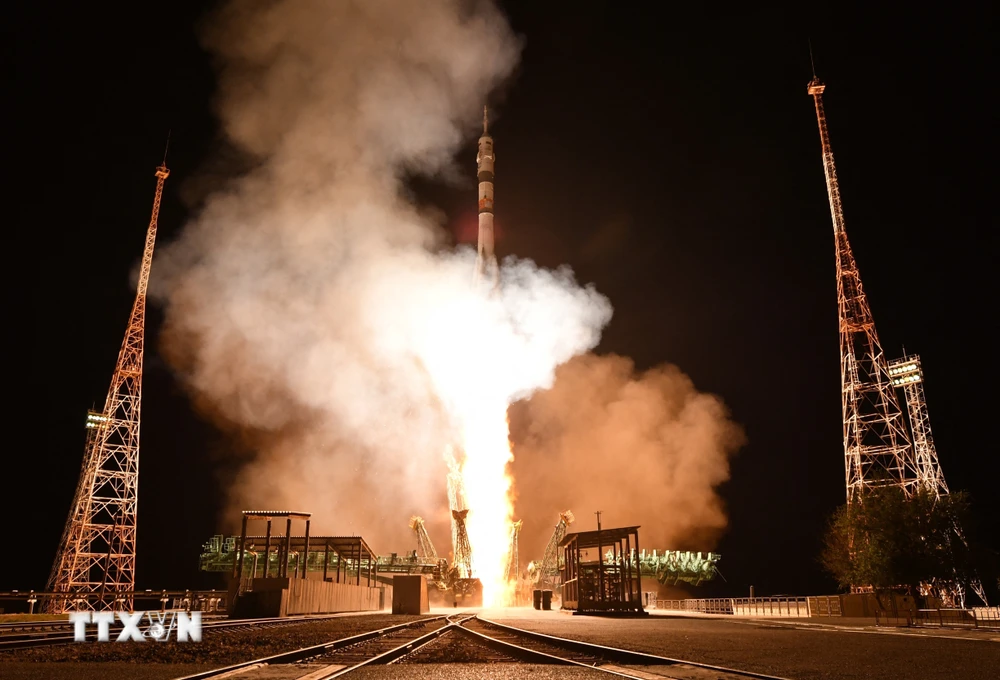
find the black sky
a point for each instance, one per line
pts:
(672, 160)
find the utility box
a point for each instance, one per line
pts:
(409, 594)
(547, 600)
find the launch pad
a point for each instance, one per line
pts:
(586, 572)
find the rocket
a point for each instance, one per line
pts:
(486, 261)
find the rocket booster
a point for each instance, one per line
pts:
(486, 261)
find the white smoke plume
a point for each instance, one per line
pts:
(313, 308)
(312, 305)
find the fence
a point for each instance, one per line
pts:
(774, 607)
(987, 618)
(188, 600)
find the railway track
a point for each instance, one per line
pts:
(465, 637)
(24, 635)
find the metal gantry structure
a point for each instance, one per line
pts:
(456, 496)
(462, 563)
(97, 550)
(908, 374)
(876, 447)
(512, 568)
(548, 570)
(425, 548)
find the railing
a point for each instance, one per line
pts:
(978, 617)
(146, 600)
(785, 607)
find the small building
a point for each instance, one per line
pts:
(600, 573)
(282, 575)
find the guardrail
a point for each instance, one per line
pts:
(187, 600)
(783, 607)
(978, 617)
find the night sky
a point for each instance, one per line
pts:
(671, 160)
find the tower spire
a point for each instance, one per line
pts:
(95, 564)
(486, 122)
(166, 148)
(876, 446)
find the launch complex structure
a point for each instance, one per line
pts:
(456, 582)
(95, 565)
(879, 450)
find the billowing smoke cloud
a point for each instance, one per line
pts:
(315, 310)
(312, 306)
(646, 449)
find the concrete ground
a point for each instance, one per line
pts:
(791, 648)
(827, 649)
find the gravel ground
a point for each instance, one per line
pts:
(801, 653)
(455, 648)
(10, 670)
(475, 671)
(217, 648)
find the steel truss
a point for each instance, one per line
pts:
(97, 551)
(876, 447)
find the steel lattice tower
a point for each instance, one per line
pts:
(463, 550)
(97, 551)
(908, 374)
(424, 546)
(876, 447)
(513, 566)
(550, 560)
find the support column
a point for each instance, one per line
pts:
(288, 546)
(267, 549)
(305, 553)
(628, 568)
(326, 559)
(638, 571)
(238, 563)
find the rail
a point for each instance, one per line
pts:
(487, 641)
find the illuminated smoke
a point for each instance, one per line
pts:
(313, 307)
(644, 448)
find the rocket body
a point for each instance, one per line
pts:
(486, 261)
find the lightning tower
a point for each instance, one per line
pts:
(487, 271)
(876, 447)
(95, 564)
